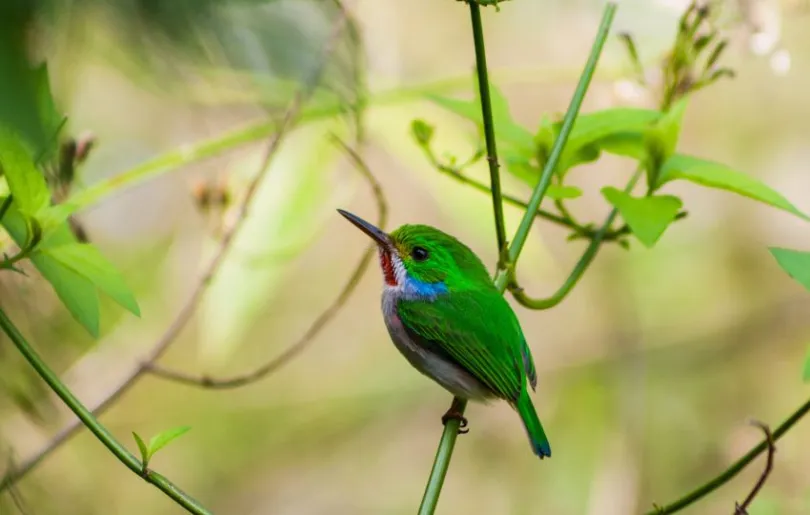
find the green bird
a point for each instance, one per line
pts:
(451, 323)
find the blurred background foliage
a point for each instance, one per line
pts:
(648, 372)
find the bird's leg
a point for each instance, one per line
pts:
(451, 415)
(454, 413)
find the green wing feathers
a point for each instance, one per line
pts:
(537, 436)
(480, 332)
(476, 330)
(528, 364)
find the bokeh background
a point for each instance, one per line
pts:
(648, 372)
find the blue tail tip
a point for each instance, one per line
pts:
(543, 450)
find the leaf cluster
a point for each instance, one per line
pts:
(648, 137)
(77, 271)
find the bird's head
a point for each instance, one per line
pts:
(423, 253)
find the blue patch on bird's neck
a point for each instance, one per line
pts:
(415, 289)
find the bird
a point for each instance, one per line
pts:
(447, 318)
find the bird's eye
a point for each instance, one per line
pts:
(419, 254)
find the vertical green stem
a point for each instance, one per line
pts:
(442, 460)
(559, 143)
(101, 432)
(489, 124)
(450, 433)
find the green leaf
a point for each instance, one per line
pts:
(507, 130)
(25, 182)
(26, 104)
(161, 440)
(51, 119)
(612, 130)
(143, 448)
(795, 262)
(464, 108)
(716, 175)
(592, 127)
(669, 126)
(87, 261)
(648, 217)
(661, 139)
(806, 372)
(575, 157)
(76, 292)
(627, 144)
(422, 132)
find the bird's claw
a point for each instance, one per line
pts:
(455, 415)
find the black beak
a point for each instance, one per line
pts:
(376, 234)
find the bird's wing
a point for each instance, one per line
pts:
(528, 363)
(479, 332)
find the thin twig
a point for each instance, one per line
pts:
(489, 128)
(188, 309)
(564, 219)
(102, 434)
(581, 231)
(544, 181)
(323, 319)
(582, 265)
(16, 498)
(742, 509)
(726, 476)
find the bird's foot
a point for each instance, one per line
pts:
(455, 415)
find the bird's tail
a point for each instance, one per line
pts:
(537, 436)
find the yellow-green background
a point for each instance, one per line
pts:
(648, 372)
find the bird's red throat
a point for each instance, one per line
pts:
(387, 265)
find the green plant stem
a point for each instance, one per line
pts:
(34, 237)
(583, 263)
(442, 460)
(734, 469)
(489, 125)
(8, 263)
(87, 418)
(450, 433)
(559, 143)
(169, 161)
(251, 133)
(564, 221)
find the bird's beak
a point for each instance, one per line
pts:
(375, 233)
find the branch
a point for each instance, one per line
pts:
(489, 127)
(451, 428)
(559, 142)
(580, 231)
(736, 468)
(323, 319)
(742, 509)
(16, 498)
(581, 266)
(188, 309)
(92, 423)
